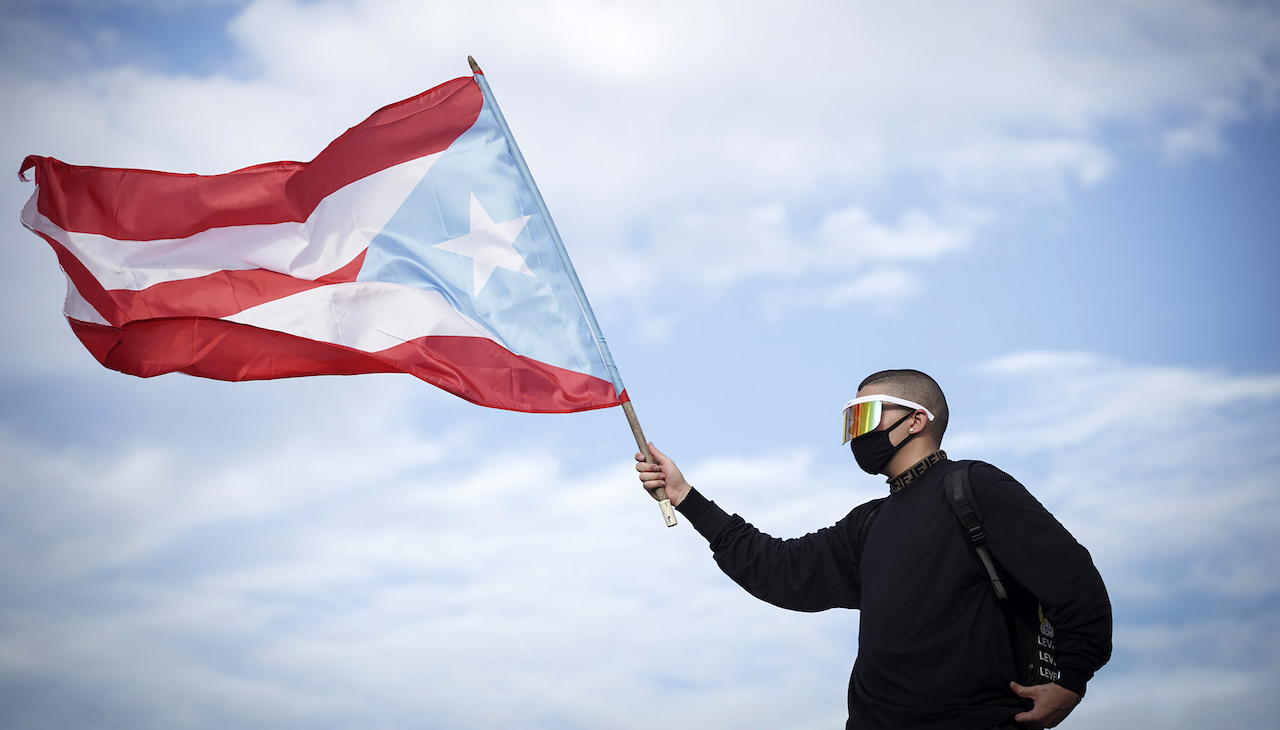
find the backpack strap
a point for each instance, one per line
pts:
(960, 497)
(864, 525)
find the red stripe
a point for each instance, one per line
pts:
(484, 372)
(97, 339)
(474, 368)
(221, 293)
(144, 205)
(217, 295)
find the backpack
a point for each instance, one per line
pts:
(1030, 633)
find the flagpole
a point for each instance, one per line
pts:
(668, 513)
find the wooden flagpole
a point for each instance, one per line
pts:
(668, 513)
(660, 494)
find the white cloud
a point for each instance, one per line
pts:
(1094, 395)
(1179, 700)
(883, 287)
(1203, 135)
(1028, 166)
(917, 236)
(848, 255)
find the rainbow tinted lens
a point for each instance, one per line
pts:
(861, 418)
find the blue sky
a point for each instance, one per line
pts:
(1064, 212)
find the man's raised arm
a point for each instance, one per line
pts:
(810, 573)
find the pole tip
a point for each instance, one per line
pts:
(475, 67)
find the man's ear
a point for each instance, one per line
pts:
(927, 429)
(919, 421)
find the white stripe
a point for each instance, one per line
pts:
(366, 315)
(76, 307)
(340, 227)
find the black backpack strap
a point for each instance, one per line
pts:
(864, 525)
(960, 497)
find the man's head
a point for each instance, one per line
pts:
(914, 386)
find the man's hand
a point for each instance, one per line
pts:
(663, 474)
(1052, 704)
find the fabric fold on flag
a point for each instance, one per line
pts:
(410, 244)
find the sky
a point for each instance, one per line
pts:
(1063, 211)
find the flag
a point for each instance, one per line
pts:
(411, 244)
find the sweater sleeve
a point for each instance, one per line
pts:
(810, 573)
(1029, 542)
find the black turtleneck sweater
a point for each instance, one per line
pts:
(933, 647)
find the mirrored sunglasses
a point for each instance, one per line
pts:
(863, 415)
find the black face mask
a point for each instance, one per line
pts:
(875, 450)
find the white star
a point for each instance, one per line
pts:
(489, 245)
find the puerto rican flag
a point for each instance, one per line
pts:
(410, 244)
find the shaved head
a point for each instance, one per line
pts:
(916, 387)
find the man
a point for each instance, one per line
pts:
(933, 643)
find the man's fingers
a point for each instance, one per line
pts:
(1052, 704)
(1029, 715)
(1031, 719)
(643, 466)
(652, 478)
(657, 455)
